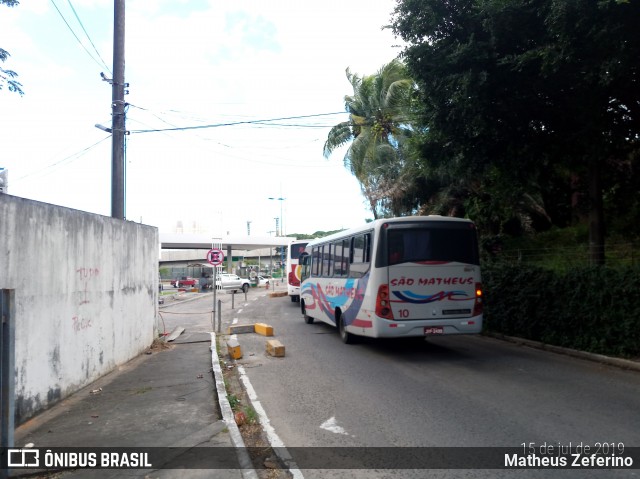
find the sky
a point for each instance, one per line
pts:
(192, 63)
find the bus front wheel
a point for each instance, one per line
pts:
(307, 319)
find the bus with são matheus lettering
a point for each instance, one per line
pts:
(295, 249)
(395, 278)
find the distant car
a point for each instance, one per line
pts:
(184, 281)
(262, 281)
(232, 282)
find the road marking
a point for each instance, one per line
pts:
(240, 311)
(273, 438)
(331, 425)
(235, 321)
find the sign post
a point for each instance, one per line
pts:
(215, 257)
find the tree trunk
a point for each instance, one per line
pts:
(596, 216)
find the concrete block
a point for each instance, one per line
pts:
(278, 294)
(241, 328)
(264, 329)
(177, 331)
(233, 347)
(275, 348)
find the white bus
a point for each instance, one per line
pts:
(393, 278)
(295, 249)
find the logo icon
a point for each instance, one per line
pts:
(23, 458)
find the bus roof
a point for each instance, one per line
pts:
(375, 224)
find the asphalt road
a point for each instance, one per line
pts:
(466, 391)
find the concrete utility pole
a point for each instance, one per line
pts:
(118, 114)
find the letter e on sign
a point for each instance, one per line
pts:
(215, 256)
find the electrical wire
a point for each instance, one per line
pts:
(254, 123)
(87, 35)
(246, 122)
(76, 37)
(68, 159)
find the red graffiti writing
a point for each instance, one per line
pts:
(80, 324)
(86, 274)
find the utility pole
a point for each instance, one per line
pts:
(118, 113)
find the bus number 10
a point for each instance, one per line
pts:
(404, 313)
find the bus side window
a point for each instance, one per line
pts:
(367, 248)
(337, 257)
(351, 249)
(360, 255)
(315, 261)
(344, 263)
(327, 260)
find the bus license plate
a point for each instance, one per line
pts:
(433, 330)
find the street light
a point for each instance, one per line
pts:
(280, 200)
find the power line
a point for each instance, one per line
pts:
(68, 159)
(76, 36)
(87, 35)
(247, 122)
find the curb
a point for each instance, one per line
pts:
(227, 414)
(598, 358)
(185, 300)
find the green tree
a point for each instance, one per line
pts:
(7, 77)
(377, 131)
(525, 95)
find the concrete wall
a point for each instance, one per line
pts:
(86, 291)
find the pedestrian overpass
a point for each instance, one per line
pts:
(178, 241)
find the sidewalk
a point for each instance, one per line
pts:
(166, 398)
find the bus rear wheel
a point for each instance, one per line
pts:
(347, 337)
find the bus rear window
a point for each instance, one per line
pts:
(296, 250)
(442, 243)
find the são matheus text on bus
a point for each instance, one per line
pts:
(393, 278)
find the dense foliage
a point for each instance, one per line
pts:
(532, 102)
(590, 309)
(531, 106)
(524, 115)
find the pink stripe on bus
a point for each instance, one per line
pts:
(361, 323)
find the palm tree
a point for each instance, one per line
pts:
(378, 128)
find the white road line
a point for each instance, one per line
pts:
(272, 436)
